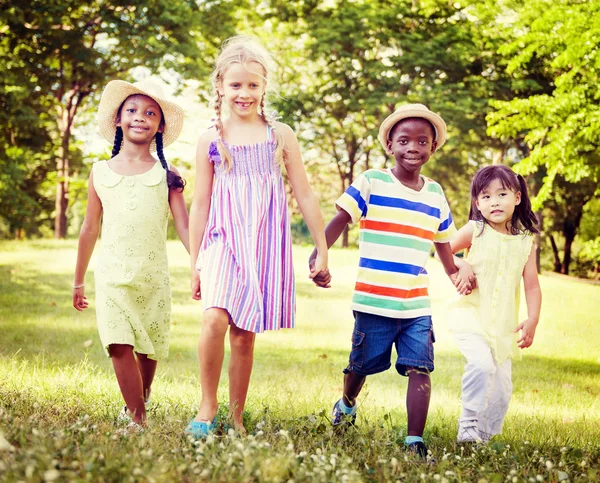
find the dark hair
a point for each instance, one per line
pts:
(395, 126)
(523, 219)
(173, 181)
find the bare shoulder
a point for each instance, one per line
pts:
(285, 130)
(207, 136)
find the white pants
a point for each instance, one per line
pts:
(486, 385)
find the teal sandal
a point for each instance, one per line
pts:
(200, 429)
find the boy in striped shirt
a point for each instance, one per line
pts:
(401, 215)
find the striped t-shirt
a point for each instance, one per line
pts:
(398, 227)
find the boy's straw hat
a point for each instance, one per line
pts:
(117, 91)
(412, 110)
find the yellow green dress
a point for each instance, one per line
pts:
(492, 309)
(133, 291)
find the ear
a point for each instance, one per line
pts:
(433, 147)
(389, 147)
(517, 197)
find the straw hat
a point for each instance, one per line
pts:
(412, 110)
(117, 91)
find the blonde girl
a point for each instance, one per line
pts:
(240, 239)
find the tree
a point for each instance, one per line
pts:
(560, 42)
(69, 49)
(359, 59)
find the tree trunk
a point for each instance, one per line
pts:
(538, 242)
(557, 263)
(62, 187)
(564, 269)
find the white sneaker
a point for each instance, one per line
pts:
(124, 416)
(468, 432)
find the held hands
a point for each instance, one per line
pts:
(79, 299)
(527, 329)
(195, 284)
(319, 273)
(464, 280)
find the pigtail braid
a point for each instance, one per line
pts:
(223, 151)
(118, 141)
(173, 181)
(279, 142)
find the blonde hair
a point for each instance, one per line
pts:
(242, 49)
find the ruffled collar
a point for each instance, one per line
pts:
(109, 178)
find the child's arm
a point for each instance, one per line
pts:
(87, 241)
(307, 201)
(180, 214)
(465, 280)
(332, 232)
(200, 206)
(533, 297)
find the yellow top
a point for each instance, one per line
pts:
(492, 309)
(133, 291)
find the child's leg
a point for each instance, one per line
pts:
(129, 379)
(353, 383)
(417, 399)
(210, 357)
(479, 369)
(499, 394)
(240, 369)
(147, 368)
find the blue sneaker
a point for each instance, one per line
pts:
(338, 416)
(200, 429)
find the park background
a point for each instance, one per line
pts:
(517, 83)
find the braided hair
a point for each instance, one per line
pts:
(173, 181)
(242, 50)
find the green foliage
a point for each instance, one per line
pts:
(560, 41)
(58, 55)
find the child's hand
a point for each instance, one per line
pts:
(527, 329)
(79, 299)
(464, 280)
(195, 285)
(319, 273)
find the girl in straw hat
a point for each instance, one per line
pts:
(132, 194)
(240, 237)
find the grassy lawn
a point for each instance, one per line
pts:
(59, 397)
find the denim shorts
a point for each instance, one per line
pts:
(374, 336)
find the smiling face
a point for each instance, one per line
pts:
(497, 204)
(243, 87)
(140, 118)
(412, 142)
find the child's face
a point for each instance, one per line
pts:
(243, 87)
(412, 143)
(497, 205)
(140, 119)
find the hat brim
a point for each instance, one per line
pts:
(114, 95)
(393, 119)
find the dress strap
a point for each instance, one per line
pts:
(269, 131)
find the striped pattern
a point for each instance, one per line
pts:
(245, 259)
(398, 227)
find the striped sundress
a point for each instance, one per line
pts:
(245, 259)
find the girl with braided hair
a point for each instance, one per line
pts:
(240, 237)
(132, 193)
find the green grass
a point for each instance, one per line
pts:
(59, 397)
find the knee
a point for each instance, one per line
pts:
(215, 322)
(242, 342)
